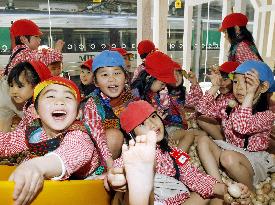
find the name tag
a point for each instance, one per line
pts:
(180, 156)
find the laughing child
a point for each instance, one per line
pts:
(58, 146)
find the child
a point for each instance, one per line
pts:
(87, 78)
(159, 71)
(27, 39)
(58, 146)
(242, 43)
(127, 59)
(145, 47)
(170, 163)
(246, 127)
(110, 97)
(52, 59)
(210, 121)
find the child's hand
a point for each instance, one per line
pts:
(192, 78)
(216, 79)
(214, 69)
(117, 179)
(59, 45)
(243, 196)
(252, 81)
(28, 183)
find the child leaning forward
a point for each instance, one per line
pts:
(58, 146)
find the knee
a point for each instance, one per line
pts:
(203, 141)
(228, 159)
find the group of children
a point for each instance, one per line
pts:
(120, 128)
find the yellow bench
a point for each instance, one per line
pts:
(74, 192)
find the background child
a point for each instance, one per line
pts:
(169, 161)
(110, 97)
(52, 59)
(127, 59)
(58, 146)
(145, 47)
(242, 43)
(87, 78)
(246, 127)
(210, 121)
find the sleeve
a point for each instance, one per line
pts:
(197, 181)
(244, 53)
(118, 163)
(208, 106)
(12, 142)
(93, 121)
(245, 123)
(194, 95)
(259, 125)
(75, 151)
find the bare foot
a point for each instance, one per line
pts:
(139, 160)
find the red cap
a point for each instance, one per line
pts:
(135, 114)
(25, 27)
(122, 51)
(146, 46)
(177, 66)
(234, 19)
(160, 66)
(49, 55)
(229, 66)
(87, 64)
(42, 70)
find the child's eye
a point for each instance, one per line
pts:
(117, 73)
(69, 97)
(104, 75)
(50, 96)
(154, 115)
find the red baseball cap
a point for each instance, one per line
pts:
(234, 19)
(229, 66)
(25, 27)
(146, 46)
(160, 66)
(41, 69)
(87, 64)
(135, 114)
(122, 51)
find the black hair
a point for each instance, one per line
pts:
(19, 42)
(179, 91)
(244, 35)
(31, 76)
(143, 55)
(163, 144)
(124, 71)
(143, 83)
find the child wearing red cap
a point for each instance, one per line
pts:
(246, 126)
(145, 47)
(87, 78)
(58, 146)
(242, 43)
(210, 119)
(27, 39)
(110, 97)
(172, 167)
(159, 71)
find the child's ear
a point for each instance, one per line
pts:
(23, 39)
(264, 86)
